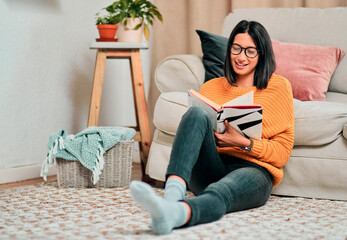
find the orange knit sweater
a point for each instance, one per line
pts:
(274, 149)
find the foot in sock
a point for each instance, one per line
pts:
(166, 215)
(175, 190)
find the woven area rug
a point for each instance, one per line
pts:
(44, 211)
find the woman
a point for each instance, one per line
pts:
(227, 172)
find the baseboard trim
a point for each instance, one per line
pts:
(16, 174)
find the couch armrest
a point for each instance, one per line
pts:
(179, 73)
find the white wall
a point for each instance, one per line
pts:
(46, 72)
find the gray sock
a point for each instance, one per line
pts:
(175, 190)
(166, 215)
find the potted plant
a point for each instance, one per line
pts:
(107, 25)
(134, 17)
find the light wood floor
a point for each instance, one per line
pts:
(136, 175)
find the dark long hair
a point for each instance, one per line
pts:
(266, 62)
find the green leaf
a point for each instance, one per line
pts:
(149, 20)
(157, 14)
(137, 26)
(110, 9)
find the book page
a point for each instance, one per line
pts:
(245, 99)
(204, 99)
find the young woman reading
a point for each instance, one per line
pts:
(226, 171)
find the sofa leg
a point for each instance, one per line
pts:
(152, 182)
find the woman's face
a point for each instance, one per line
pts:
(243, 65)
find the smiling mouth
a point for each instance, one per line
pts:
(240, 65)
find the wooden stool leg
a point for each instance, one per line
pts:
(140, 106)
(95, 100)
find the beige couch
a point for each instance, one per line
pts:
(318, 164)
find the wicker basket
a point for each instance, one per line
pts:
(116, 172)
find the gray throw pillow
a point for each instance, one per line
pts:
(213, 48)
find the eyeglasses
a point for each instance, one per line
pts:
(251, 52)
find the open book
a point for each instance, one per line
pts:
(241, 113)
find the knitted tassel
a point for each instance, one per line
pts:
(47, 163)
(44, 170)
(99, 164)
(100, 156)
(96, 173)
(55, 146)
(61, 143)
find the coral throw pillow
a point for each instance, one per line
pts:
(308, 68)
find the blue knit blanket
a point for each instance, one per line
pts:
(87, 147)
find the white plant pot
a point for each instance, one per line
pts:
(127, 34)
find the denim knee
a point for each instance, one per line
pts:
(196, 113)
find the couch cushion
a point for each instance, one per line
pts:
(318, 123)
(169, 110)
(336, 97)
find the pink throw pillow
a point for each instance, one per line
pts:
(307, 67)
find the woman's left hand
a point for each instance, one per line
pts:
(230, 138)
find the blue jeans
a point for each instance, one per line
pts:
(221, 183)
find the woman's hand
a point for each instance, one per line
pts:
(230, 138)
